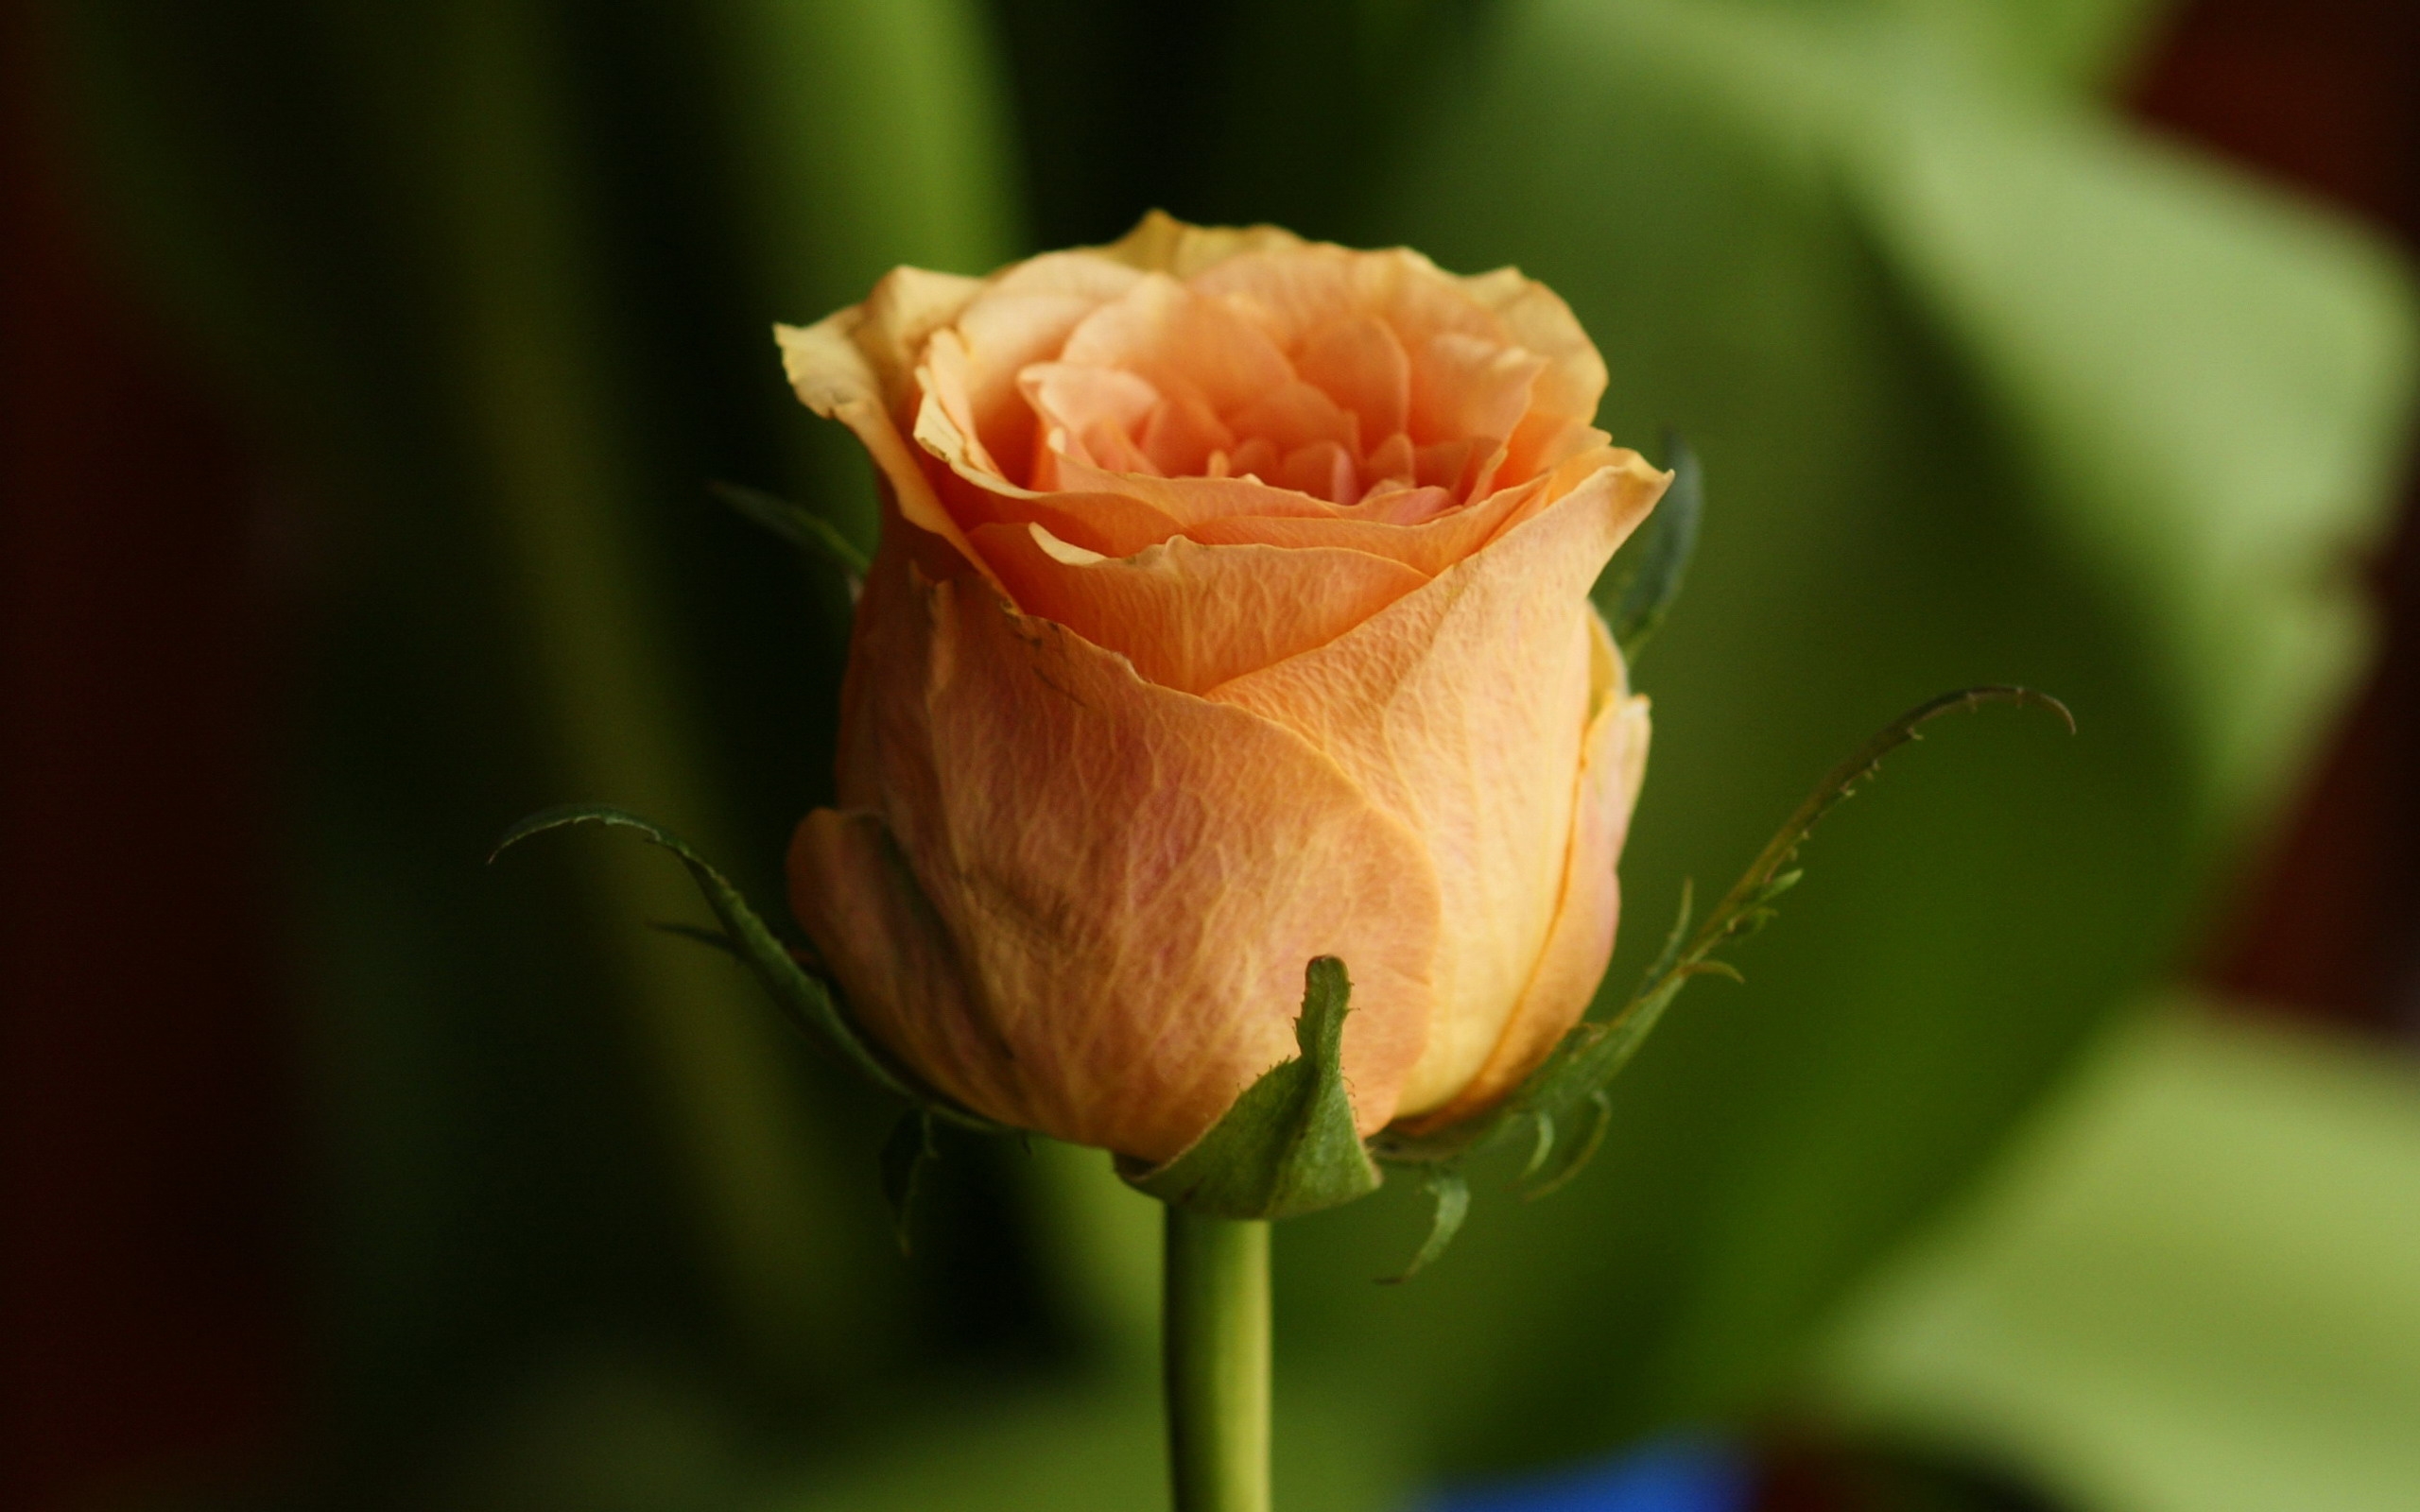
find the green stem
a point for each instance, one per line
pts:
(1215, 1323)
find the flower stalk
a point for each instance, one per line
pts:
(1215, 1339)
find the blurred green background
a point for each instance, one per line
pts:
(1991, 384)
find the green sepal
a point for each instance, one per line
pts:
(799, 526)
(1288, 1146)
(802, 998)
(1644, 592)
(1450, 1191)
(1560, 1163)
(906, 1152)
(1563, 1102)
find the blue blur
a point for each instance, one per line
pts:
(1675, 1475)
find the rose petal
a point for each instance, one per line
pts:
(1428, 547)
(854, 893)
(1107, 446)
(1118, 513)
(1255, 458)
(1023, 317)
(942, 378)
(1462, 387)
(1287, 294)
(1191, 616)
(1362, 367)
(1322, 470)
(1082, 273)
(835, 378)
(1543, 441)
(1135, 876)
(1448, 707)
(1160, 243)
(1580, 940)
(1293, 415)
(1167, 333)
(1448, 465)
(1391, 462)
(1398, 505)
(1536, 318)
(1115, 524)
(1077, 395)
(1298, 292)
(902, 313)
(1192, 501)
(1184, 432)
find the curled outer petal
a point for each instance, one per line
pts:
(842, 368)
(1096, 896)
(1462, 709)
(1580, 943)
(1192, 616)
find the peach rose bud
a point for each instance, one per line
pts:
(1231, 610)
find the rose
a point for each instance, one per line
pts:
(1231, 610)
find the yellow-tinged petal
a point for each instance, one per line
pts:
(1462, 709)
(1160, 243)
(834, 377)
(1132, 878)
(942, 380)
(902, 313)
(1191, 616)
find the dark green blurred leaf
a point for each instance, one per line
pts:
(712, 939)
(1644, 593)
(802, 998)
(494, 285)
(1564, 1101)
(1561, 1091)
(799, 526)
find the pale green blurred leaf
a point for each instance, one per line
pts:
(1900, 416)
(2201, 384)
(2189, 1288)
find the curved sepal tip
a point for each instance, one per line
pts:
(1287, 1145)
